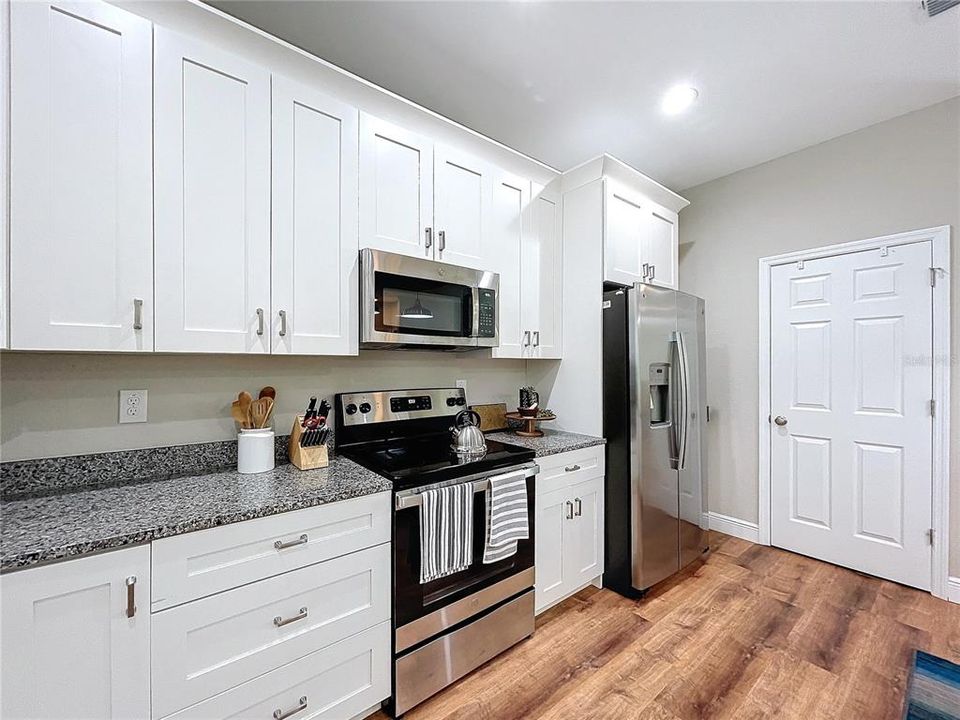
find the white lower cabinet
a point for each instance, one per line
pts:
(76, 638)
(569, 524)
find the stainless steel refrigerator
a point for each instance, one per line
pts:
(653, 419)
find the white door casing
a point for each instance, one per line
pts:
(81, 193)
(846, 343)
(396, 189)
(212, 150)
(315, 262)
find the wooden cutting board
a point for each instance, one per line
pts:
(492, 416)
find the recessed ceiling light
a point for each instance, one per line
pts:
(678, 98)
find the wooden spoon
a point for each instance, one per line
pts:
(246, 400)
(268, 411)
(237, 412)
(268, 392)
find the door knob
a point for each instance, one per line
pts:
(780, 420)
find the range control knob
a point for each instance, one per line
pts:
(461, 401)
(365, 408)
(350, 409)
(451, 401)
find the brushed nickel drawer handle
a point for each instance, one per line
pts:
(536, 338)
(279, 714)
(259, 321)
(427, 238)
(569, 510)
(280, 622)
(131, 583)
(283, 323)
(526, 338)
(137, 314)
(571, 468)
(280, 545)
(579, 510)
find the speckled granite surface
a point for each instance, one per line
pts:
(31, 478)
(552, 442)
(52, 527)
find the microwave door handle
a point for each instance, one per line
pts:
(475, 314)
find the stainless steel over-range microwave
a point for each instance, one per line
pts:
(413, 302)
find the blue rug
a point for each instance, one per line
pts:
(934, 689)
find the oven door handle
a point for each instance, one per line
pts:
(412, 498)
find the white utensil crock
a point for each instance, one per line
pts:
(255, 450)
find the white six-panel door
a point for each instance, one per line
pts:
(81, 245)
(315, 249)
(212, 150)
(851, 458)
(69, 648)
(396, 189)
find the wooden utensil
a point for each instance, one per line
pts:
(246, 400)
(237, 412)
(258, 410)
(268, 392)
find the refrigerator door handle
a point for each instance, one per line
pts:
(684, 398)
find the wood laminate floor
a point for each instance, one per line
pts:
(752, 632)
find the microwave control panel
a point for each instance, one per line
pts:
(487, 313)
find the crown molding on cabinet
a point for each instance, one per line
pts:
(608, 166)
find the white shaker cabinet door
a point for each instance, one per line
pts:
(625, 219)
(586, 532)
(462, 189)
(212, 148)
(81, 245)
(70, 648)
(554, 513)
(660, 245)
(315, 240)
(396, 189)
(509, 200)
(542, 268)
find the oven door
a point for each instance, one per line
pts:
(412, 301)
(422, 611)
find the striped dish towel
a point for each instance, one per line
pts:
(506, 515)
(446, 531)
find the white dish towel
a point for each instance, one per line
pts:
(446, 531)
(506, 515)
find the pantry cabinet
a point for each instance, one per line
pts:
(212, 165)
(641, 238)
(81, 194)
(76, 638)
(569, 548)
(314, 265)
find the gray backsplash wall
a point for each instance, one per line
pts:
(54, 404)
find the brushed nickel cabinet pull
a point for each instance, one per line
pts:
(259, 321)
(280, 545)
(526, 338)
(536, 338)
(579, 511)
(279, 714)
(571, 468)
(283, 323)
(428, 238)
(137, 314)
(442, 238)
(131, 583)
(653, 271)
(280, 622)
(646, 270)
(569, 510)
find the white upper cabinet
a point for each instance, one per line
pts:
(542, 277)
(396, 189)
(81, 245)
(462, 189)
(315, 240)
(640, 238)
(76, 638)
(508, 212)
(212, 150)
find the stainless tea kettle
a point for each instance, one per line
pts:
(467, 437)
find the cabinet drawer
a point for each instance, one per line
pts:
(211, 645)
(338, 682)
(565, 469)
(198, 564)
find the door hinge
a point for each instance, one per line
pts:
(933, 408)
(930, 536)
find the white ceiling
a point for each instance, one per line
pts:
(565, 81)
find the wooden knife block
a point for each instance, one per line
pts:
(306, 458)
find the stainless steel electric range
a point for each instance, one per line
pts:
(445, 628)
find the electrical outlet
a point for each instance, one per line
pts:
(133, 406)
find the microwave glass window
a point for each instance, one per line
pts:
(422, 307)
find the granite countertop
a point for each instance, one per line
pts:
(552, 442)
(53, 527)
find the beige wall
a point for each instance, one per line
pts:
(66, 404)
(902, 174)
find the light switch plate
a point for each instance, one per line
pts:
(133, 406)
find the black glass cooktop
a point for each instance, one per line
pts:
(421, 461)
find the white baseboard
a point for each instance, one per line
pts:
(734, 526)
(953, 589)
